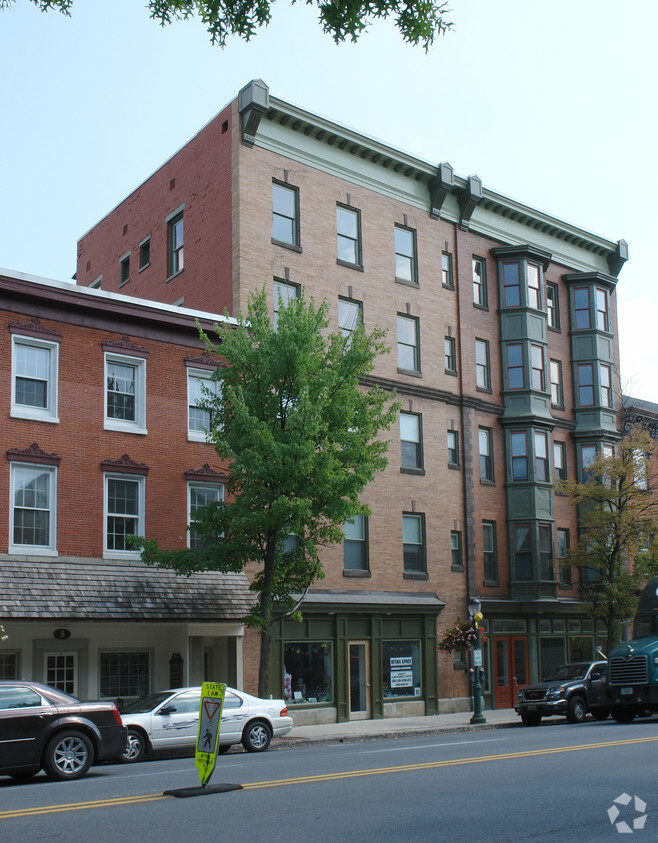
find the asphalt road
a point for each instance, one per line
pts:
(556, 782)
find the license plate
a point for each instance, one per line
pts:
(531, 707)
(626, 691)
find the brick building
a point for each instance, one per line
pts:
(101, 439)
(505, 358)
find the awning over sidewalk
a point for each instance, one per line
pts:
(90, 591)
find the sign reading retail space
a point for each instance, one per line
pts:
(210, 718)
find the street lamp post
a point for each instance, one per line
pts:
(476, 656)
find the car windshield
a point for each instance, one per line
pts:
(147, 704)
(569, 671)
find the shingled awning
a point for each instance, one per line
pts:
(112, 591)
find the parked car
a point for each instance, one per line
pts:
(170, 720)
(572, 690)
(44, 728)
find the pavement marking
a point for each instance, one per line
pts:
(426, 746)
(324, 777)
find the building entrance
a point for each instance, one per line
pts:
(510, 669)
(359, 664)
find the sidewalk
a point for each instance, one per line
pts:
(364, 730)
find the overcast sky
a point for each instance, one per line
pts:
(552, 104)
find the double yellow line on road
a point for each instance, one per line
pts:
(325, 777)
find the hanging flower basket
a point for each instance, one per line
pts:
(462, 635)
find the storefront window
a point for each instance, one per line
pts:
(308, 673)
(401, 669)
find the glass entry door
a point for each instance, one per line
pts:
(359, 669)
(511, 669)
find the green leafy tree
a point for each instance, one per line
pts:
(419, 21)
(304, 438)
(617, 548)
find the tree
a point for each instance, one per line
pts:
(419, 21)
(617, 548)
(303, 438)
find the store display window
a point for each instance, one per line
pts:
(401, 670)
(308, 673)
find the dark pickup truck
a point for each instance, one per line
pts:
(571, 690)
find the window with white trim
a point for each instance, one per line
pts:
(200, 495)
(124, 513)
(125, 393)
(200, 387)
(33, 514)
(35, 364)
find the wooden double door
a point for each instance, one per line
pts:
(510, 668)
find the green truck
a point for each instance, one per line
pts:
(633, 666)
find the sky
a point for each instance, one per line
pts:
(552, 104)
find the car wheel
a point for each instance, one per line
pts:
(224, 748)
(68, 755)
(257, 736)
(600, 713)
(623, 714)
(576, 709)
(531, 719)
(135, 748)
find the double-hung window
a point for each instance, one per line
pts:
(479, 282)
(348, 235)
(587, 457)
(124, 514)
(482, 372)
(355, 544)
(125, 393)
(546, 571)
(456, 559)
(489, 551)
(200, 388)
(199, 496)
(453, 448)
(541, 456)
(581, 308)
(519, 454)
(285, 214)
(562, 551)
(533, 288)
(124, 265)
(145, 253)
(515, 375)
(175, 244)
(485, 448)
(413, 541)
(449, 355)
(350, 315)
(411, 440)
(557, 394)
(560, 460)
(601, 310)
(511, 285)
(446, 270)
(408, 343)
(34, 378)
(523, 552)
(405, 255)
(33, 512)
(284, 293)
(537, 367)
(552, 306)
(605, 383)
(585, 384)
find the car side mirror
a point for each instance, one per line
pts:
(168, 709)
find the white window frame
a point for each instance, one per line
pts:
(24, 411)
(215, 387)
(112, 553)
(35, 549)
(139, 424)
(199, 485)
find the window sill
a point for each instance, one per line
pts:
(557, 330)
(449, 287)
(123, 283)
(125, 555)
(125, 428)
(454, 466)
(355, 572)
(20, 414)
(175, 275)
(487, 389)
(458, 568)
(485, 482)
(408, 470)
(415, 575)
(564, 587)
(195, 436)
(30, 551)
(451, 372)
(357, 266)
(481, 306)
(406, 283)
(491, 583)
(413, 373)
(292, 246)
(142, 268)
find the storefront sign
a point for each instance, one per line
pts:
(402, 678)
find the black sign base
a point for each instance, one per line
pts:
(184, 792)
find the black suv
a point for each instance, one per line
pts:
(41, 727)
(571, 690)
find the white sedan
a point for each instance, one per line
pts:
(170, 720)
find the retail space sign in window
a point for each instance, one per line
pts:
(401, 669)
(308, 672)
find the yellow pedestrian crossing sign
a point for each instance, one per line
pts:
(210, 717)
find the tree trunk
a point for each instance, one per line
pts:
(266, 620)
